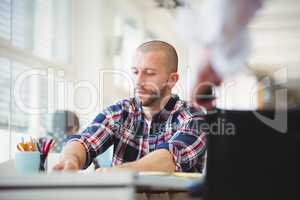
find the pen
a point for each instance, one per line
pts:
(38, 147)
(52, 145)
(47, 146)
(20, 148)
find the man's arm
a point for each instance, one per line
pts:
(159, 160)
(180, 153)
(72, 157)
(81, 149)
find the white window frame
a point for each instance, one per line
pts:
(28, 58)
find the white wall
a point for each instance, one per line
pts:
(275, 33)
(93, 44)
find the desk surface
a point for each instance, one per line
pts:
(154, 181)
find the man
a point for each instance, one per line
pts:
(154, 131)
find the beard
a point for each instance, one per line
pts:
(148, 98)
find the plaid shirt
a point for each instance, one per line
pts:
(175, 128)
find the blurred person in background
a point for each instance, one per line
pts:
(218, 36)
(64, 124)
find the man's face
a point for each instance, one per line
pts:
(150, 77)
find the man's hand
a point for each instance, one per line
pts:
(70, 164)
(72, 157)
(129, 166)
(207, 79)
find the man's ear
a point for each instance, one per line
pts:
(173, 78)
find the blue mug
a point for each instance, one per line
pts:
(27, 161)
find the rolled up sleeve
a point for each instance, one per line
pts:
(187, 145)
(98, 136)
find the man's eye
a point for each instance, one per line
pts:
(134, 71)
(150, 72)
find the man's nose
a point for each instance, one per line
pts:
(140, 79)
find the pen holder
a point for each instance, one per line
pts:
(27, 162)
(43, 163)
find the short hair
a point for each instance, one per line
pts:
(168, 49)
(65, 120)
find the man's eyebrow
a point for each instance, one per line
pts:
(149, 68)
(144, 68)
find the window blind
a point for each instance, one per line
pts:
(5, 19)
(5, 92)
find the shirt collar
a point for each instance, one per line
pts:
(163, 115)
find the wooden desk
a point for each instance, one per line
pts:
(110, 186)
